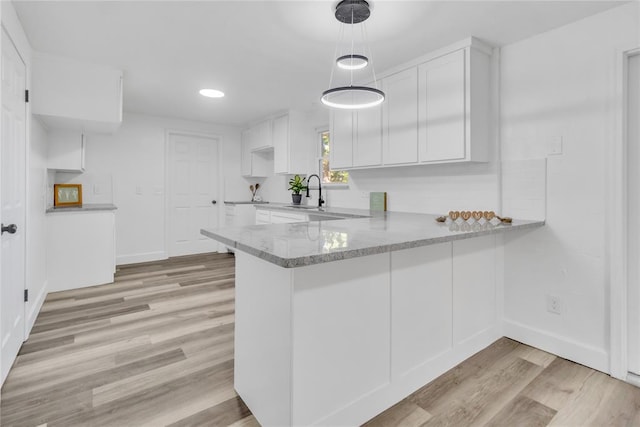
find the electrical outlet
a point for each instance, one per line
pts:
(554, 305)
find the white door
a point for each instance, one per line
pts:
(193, 193)
(12, 199)
(633, 156)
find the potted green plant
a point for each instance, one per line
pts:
(296, 185)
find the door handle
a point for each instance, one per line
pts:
(11, 229)
(213, 202)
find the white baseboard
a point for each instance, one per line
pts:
(143, 257)
(34, 308)
(633, 379)
(592, 357)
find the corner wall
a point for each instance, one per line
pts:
(558, 86)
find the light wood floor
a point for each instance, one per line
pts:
(156, 348)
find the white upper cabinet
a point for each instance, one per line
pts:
(342, 135)
(400, 118)
(281, 144)
(437, 110)
(255, 162)
(367, 141)
(245, 152)
(451, 87)
(74, 95)
(261, 136)
(66, 151)
(291, 142)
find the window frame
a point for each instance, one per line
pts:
(320, 158)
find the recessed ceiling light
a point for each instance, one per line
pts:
(211, 93)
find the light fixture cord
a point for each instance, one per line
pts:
(352, 37)
(335, 53)
(365, 37)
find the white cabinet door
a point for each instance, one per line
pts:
(292, 144)
(442, 108)
(285, 217)
(263, 216)
(400, 118)
(367, 141)
(261, 136)
(281, 144)
(66, 151)
(341, 155)
(76, 95)
(91, 245)
(245, 153)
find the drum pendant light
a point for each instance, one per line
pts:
(352, 96)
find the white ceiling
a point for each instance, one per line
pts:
(265, 55)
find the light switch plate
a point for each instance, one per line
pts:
(554, 147)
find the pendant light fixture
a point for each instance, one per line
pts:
(352, 97)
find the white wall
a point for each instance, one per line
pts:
(134, 157)
(560, 84)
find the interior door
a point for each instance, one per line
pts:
(633, 158)
(193, 193)
(12, 201)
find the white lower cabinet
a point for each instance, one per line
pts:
(264, 216)
(422, 305)
(389, 323)
(81, 249)
(239, 215)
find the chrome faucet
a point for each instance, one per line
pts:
(320, 200)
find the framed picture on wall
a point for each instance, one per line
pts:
(67, 195)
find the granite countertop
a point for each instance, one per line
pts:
(247, 202)
(87, 207)
(307, 243)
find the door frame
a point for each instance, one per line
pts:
(618, 256)
(167, 200)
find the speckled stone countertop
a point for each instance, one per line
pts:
(307, 243)
(87, 207)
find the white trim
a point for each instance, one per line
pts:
(32, 315)
(565, 347)
(167, 202)
(143, 257)
(633, 379)
(617, 218)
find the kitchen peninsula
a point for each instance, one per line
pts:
(336, 320)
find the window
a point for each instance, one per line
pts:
(330, 176)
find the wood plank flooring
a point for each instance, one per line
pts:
(155, 348)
